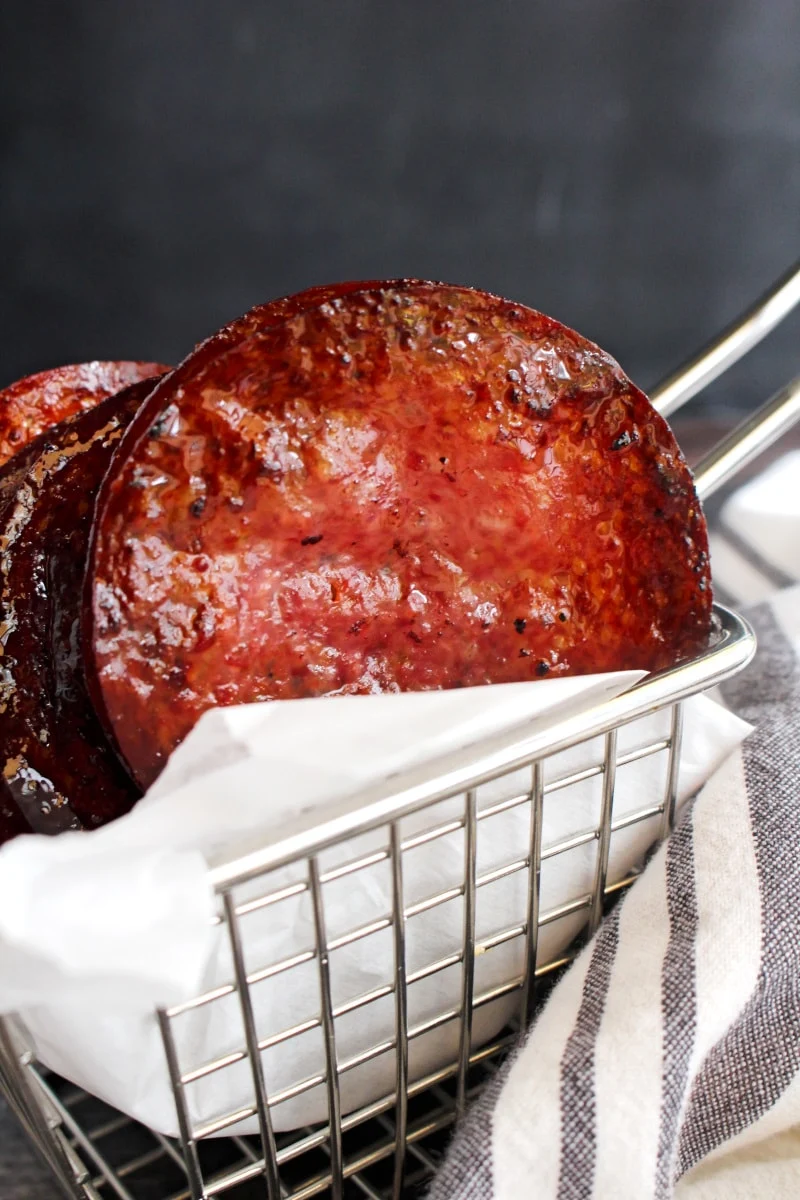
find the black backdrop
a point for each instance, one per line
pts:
(631, 167)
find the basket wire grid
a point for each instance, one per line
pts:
(390, 1146)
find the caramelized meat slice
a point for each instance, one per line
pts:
(32, 405)
(403, 486)
(58, 771)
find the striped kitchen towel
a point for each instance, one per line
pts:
(666, 1062)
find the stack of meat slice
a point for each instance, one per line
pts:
(380, 486)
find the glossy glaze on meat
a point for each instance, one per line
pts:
(408, 487)
(256, 320)
(34, 404)
(58, 770)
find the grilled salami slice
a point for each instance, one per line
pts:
(58, 770)
(398, 486)
(34, 404)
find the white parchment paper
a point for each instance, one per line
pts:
(96, 929)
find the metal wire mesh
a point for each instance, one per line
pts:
(371, 1121)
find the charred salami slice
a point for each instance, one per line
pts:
(58, 770)
(32, 405)
(402, 487)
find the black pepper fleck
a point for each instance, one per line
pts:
(542, 668)
(311, 541)
(197, 506)
(520, 624)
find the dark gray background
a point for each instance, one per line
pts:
(631, 168)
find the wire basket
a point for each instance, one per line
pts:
(389, 1146)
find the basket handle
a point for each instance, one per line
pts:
(730, 345)
(748, 440)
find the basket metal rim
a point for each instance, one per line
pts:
(447, 776)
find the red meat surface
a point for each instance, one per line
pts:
(32, 405)
(388, 487)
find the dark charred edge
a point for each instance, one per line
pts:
(86, 624)
(13, 475)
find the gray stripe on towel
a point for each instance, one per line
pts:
(577, 1092)
(748, 1070)
(678, 996)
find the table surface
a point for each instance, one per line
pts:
(22, 1177)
